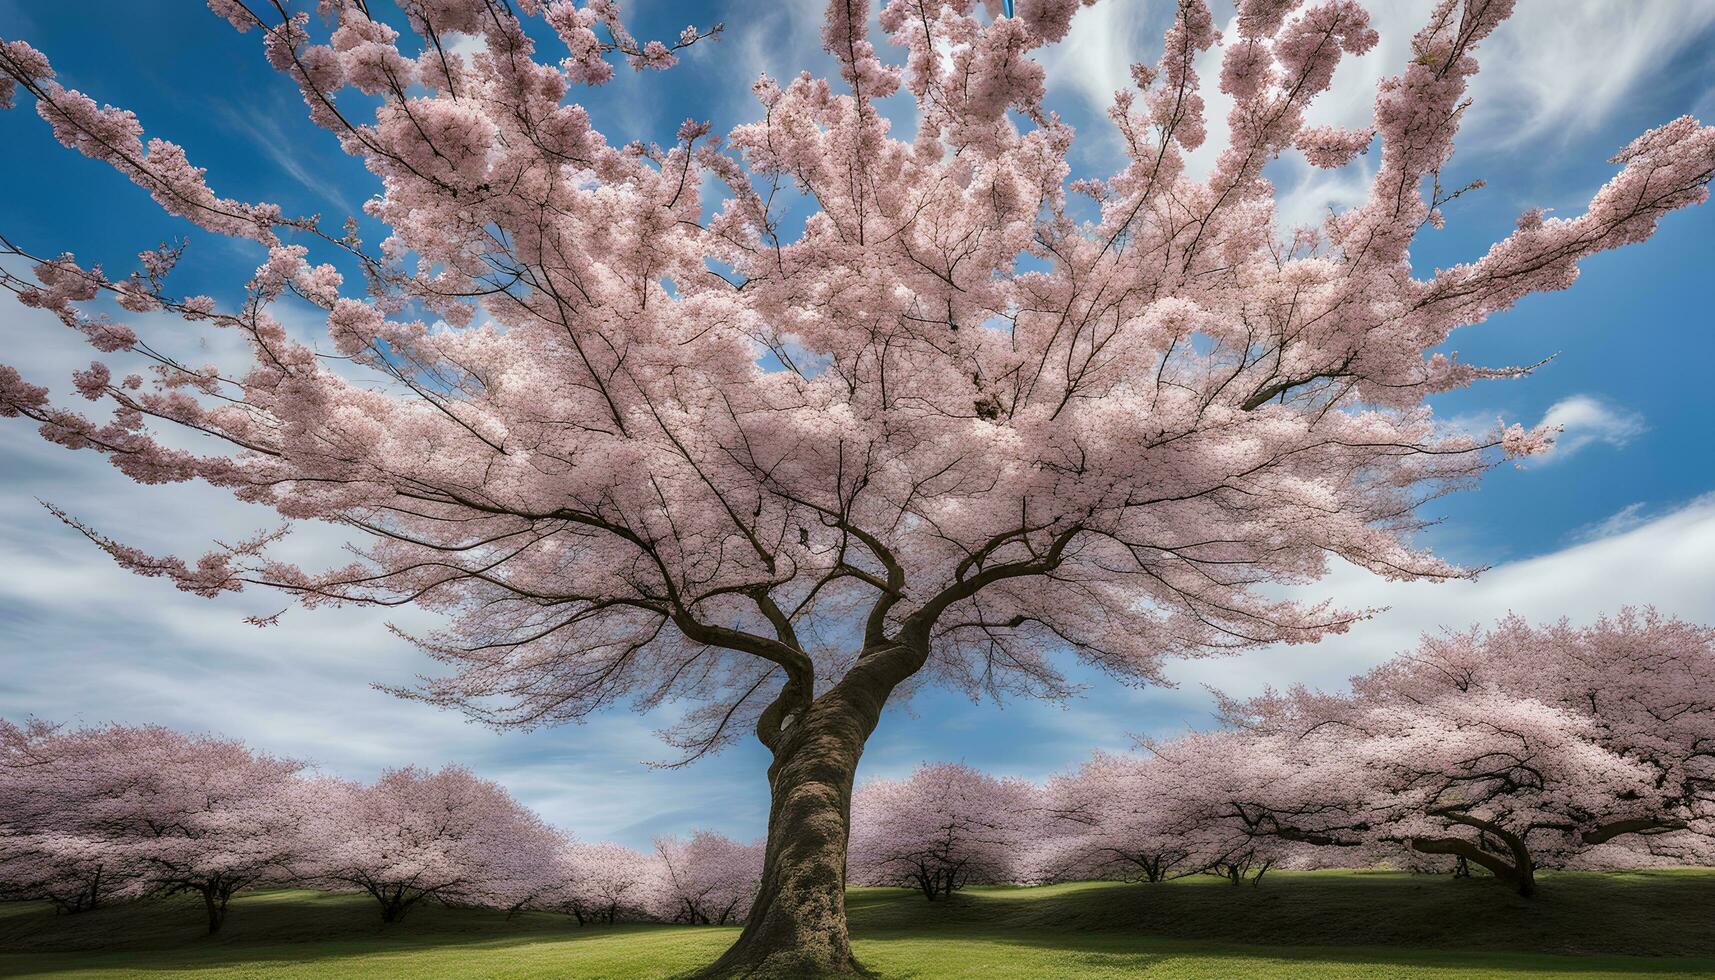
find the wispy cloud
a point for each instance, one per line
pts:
(1555, 70)
(1664, 562)
(1619, 522)
(285, 151)
(1585, 421)
(1566, 66)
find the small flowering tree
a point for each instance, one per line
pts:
(139, 810)
(974, 414)
(1115, 818)
(209, 817)
(1194, 783)
(945, 827)
(48, 850)
(709, 879)
(1513, 749)
(415, 835)
(607, 883)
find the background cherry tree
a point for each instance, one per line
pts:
(944, 827)
(975, 415)
(1516, 748)
(48, 850)
(413, 835)
(708, 879)
(1145, 818)
(607, 883)
(91, 815)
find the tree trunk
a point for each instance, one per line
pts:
(216, 908)
(797, 925)
(1525, 883)
(1152, 869)
(1520, 873)
(393, 908)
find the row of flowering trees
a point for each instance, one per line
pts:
(94, 815)
(1511, 750)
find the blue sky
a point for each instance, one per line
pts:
(1623, 512)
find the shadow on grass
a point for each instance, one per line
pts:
(286, 927)
(1309, 924)
(1649, 913)
(926, 956)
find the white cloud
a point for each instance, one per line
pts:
(1557, 68)
(1555, 65)
(1585, 421)
(467, 45)
(1095, 58)
(1568, 65)
(1619, 522)
(1306, 200)
(1668, 562)
(780, 39)
(82, 640)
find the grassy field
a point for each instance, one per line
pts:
(1312, 924)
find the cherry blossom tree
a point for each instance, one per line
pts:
(1163, 814)
(1172, 809)
(74, 872)
(973, 415)
(208, 817)
(146, 810)
(47, 849)
(1492, 778)
(1108, 821)
(1645, 683)
(607, 883)
(1511, 749)
(415, 835)
(945, 827)
(709, 879)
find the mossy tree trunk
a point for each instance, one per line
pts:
(797, 924)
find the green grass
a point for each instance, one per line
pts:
(1313, 925)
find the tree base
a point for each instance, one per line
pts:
(782, 964)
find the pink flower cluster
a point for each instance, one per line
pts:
(97, 815)
(1511, 750)
(992, 429)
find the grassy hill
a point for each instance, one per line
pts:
(1312, 924)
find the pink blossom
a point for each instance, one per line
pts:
(1331, 146)
(89, 815)
(945, 827)
(651, 440)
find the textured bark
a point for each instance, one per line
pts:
(797, 924)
